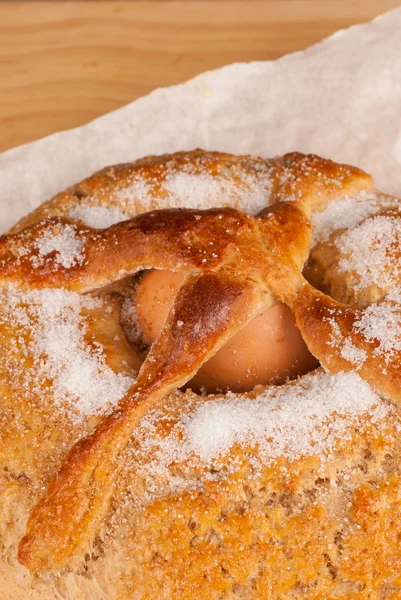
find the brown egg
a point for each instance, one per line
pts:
(269, 349)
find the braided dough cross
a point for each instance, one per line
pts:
(236, 267)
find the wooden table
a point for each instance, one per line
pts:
(64, 63)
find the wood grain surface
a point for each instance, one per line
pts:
(64, 63)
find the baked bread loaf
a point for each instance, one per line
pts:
(120, 483)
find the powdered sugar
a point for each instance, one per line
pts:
(371, 252)
(290, 180)
(348, 350)
(343, 213)
(198, 181)
(249, 193)
(138, 190)
(381, 323)
(61, 244)
(98, 217)
(284, 421)
(353, 354)
(306, 417)
(56, 327)
(65, 243)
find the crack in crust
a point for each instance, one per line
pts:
(236, 267)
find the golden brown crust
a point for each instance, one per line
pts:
(330, 269)
(321, 319)
(246, 255)
(311, 181)
(252, 262)
(140, 186)
(310, 537)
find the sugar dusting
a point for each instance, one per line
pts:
(197, 181)
(61, 245)
(98, 217)
(372, 252)
(289, 181)
(370, 256)
(353, 354)
(52, 322)
(381, 323)
(287, 421)
(203, 190)
(65, 243)
(345, 213)
(348, 350)
(306, 417)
